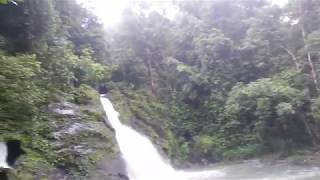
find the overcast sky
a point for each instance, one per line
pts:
(280, 2)
(110, 10)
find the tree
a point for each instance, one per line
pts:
(19, 92)
(270, 108)
(301, 12)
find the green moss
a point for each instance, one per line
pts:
(39, 155)
(33, 165)
(120, 103)
(146, 114)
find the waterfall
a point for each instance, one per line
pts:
(141, 157)
(144, 162)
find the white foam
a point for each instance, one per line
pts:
(3, 156)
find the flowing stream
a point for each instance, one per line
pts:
(145, 163)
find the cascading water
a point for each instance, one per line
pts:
(142, 159)
(145, 163)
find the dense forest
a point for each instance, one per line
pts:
(223, 80)
(226, 79)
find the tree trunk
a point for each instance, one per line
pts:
(304, 37)
(314, 74)
(310, 132)
(150, 73)
(293, 57)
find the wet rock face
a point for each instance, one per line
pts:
(63, 109)
(88, 146)
(67, 140)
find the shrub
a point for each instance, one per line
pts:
(86, 95)
(208, 148)
(19, 90)
(243, 152)
(269, 110)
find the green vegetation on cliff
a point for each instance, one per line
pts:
(50, 63)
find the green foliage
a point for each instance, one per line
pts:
(89, 72)
(7, 1)
(234, 76)
(58, 63)
(242, 152)
(268, 109)
(50, 51)
(316, 109)
(19, 92)
(208, 148)
(227, 80)
(86, 95)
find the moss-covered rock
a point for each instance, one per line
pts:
(67, 141)
(144, 112)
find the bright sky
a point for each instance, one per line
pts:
(280, 2)
(110, 11)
